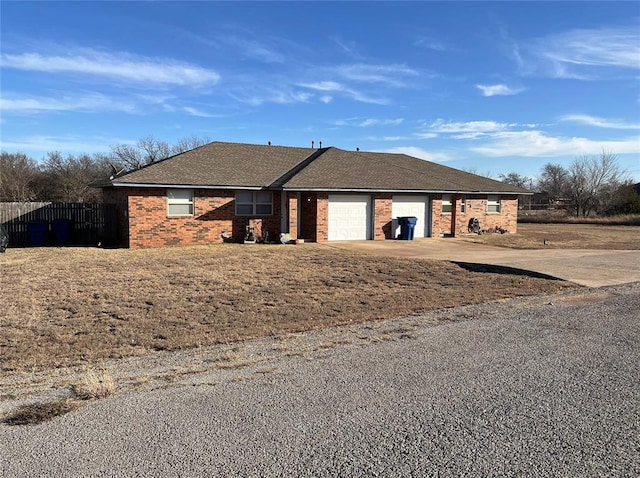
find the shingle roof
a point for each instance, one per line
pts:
(331, 169)
(221, 164)
(338, 169)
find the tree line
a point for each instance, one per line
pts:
(68, 178)
(590, 185)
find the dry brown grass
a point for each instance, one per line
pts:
(35, 413)
(565, 236)
(77, 306)
(95, 385)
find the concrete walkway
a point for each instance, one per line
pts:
(588, 267)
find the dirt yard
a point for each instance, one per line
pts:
(79, 306)
(565, 236)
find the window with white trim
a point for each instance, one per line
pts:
(446, 203)
(179, 202)
(493, 204)
(463, 205)
(254, 203)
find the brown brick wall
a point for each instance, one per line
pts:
(476, 207)
(322, 228)
(382, 219)
(214, 214)
(292, 199)
(308, 216)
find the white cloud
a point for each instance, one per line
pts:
(538, 144)
(442, 126)
(381, 122)
(326, 99)
(254, 50)
(420, 153)
(600, 122)
(498, 90)
(335, 87)
(388, 74)
(65, 102)
(583, 53)
(68, 144)
(430, 44)
(118, 66)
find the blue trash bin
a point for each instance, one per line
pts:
(407, 227)
(61, 230)
(38, 232)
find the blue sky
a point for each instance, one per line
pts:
(486, 87)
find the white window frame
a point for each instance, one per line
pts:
(447, 204)
(463, 204)
(181, 198)
(258, 204)
(493, 204)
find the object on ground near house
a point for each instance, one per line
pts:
(249, 236)
(61, 231)
(287, 238)
(38, 232)
(4, 239)
(474, 226)
(407, 227)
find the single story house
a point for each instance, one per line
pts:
(215, 192)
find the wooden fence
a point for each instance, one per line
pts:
(63, 224)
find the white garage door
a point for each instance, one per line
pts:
(349, 217)
(411, 206)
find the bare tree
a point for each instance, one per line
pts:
(591, 179)
(553, 181)
(148, 150)
(69, 179)
(516, 179)
(18, 176)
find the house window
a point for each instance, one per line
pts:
(446, 203)
(493, 204)
(254, 203)
(180, 202)
(463, 205)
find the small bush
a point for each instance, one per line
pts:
(95, 385)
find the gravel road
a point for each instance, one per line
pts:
(546, 386)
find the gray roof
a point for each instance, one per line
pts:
(237, 165)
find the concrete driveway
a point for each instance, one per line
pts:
(588, 267)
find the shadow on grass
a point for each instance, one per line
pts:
(494, 269)
(40, 412)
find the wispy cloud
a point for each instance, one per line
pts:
(498, 90)
(364, 123)
(255, 50)
(117, 65)
(68, 144)
(64, 102)
(336, 87)
(393, 75)
(431, 44)
(600, 122)
(449, 127)
(585, 53)
(539, 144)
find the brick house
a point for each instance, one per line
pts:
(214, 192)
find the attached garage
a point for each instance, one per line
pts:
(414, 205)
(349, 217)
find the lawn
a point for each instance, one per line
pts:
(80, 306)
(565, 236)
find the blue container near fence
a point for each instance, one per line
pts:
(61, 231)
(38, 232)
